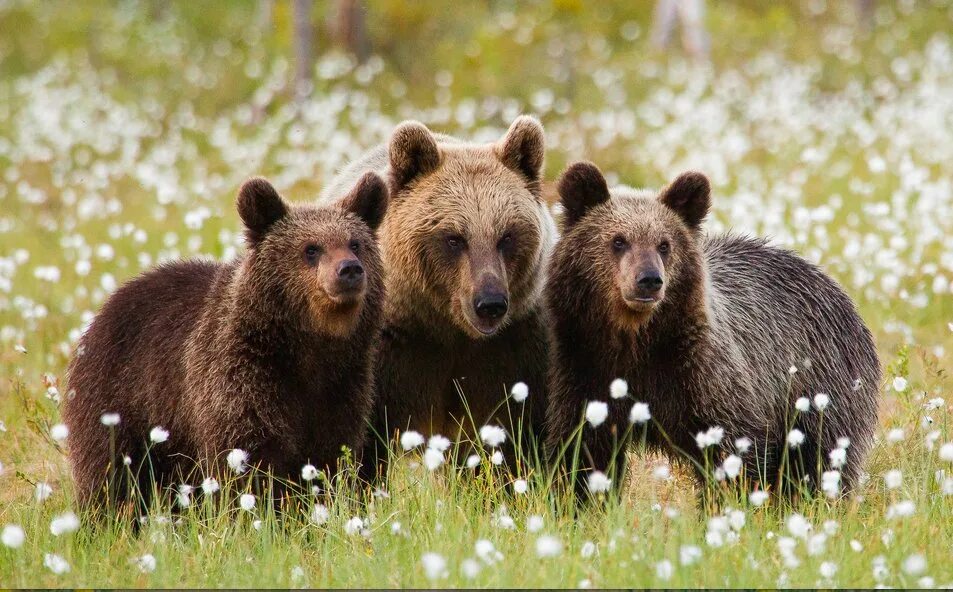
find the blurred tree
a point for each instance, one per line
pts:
(304, 46)
(690, 15)
(349, 28)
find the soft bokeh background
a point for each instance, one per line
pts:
(127, 126)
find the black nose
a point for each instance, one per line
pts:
(490, 307)
(649, 281)
(350, 272)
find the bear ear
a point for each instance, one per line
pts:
(259, 206)
(412, 152)
(690, 196)
(368, 199)
(523, 147)
(581, 188)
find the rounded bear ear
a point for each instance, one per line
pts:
(412, 152)
(581, 188)
(690, 196)
(368, 199)
(523, 147)
(259, 206)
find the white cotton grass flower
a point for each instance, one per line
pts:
(146, 563)
(354, 526)
(893, 479)
(914, 565)
(843, 442)
(689, 554)
(411, 439)
(158, 435)
(435, 566)
(487, 552)
(596, 413)
(237, 460)
(64, 523)
(710, 437)
(439, 443)
(662, 472)
(42, 491)
(210, 485)
(309, 472)
(256, 524)
(838, 457)
(830, 483)
(895, 435)
(946, 452)
(821, 401)
(534, 523)
(618, 389)
(587, 550)
(828, 569)
(519, 392)
(902, 509)
(795, 438)
(247, 502)
(732, 466)
(664, 570)
(433, 458)
(109, 419)
(802, 404)
(12, 536)
(548, 546)
(55, 563)
(496, 458)
(639, 413)
(798, 526)
(758, 497)
(470, 568)
(520, 486)
(900, 384)
(473, 461)
(320, 514)
(742, 445)
(492, 435)
(598, 482)
(59, 432)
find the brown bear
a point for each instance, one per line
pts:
(465, 243)
(270, 354)
(720, 332)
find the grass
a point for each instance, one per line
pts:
(125, 130)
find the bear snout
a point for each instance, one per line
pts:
(350, 274)
(491, 306)
(649, 283)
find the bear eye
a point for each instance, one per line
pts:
(456, 242)
(311, 253)
(619, 243)
(664, 247)
(355, 246)
(505, 241)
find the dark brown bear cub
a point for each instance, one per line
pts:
(270, 354)
(718, 335)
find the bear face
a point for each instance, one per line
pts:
(464, 235)
(637, 251)
(314, 266)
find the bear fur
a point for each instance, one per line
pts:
(466, 225)
(705, 330)
(271, 353)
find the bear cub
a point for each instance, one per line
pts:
(271, 354)
(718, 335)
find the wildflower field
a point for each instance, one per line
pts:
(127, 127)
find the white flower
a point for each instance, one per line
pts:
(795, 438)
(843, 442)
(210, 485)
(109, 419)
(732, 466)
(798, 526)
(496, 458)
(146, 563)
(435, 566)
(828, 569)
(639, 413)
(487, 552)
(618, 389)
(947, 486)
(438, 443)
(55, 563)
(689, 554)
(432, 459)
(42, 492)
(320, 514)
(473, 461)
(12, 536)
(59, 432)
(893, 479)
(664, 569)
(237, 460)
(821, 401)
(158, 435)
(830, 483)
(492, 435)
(534, 523)
(353, 526)
(901, 509)
(915, 564)
(256, 524)
(803, 404)
(934, 403)
(742, 445)
(598, 482)
(520, 486)
(410, 440)
(588, 549)
(596, 413)
(396, 527)
(504, 521)
(736, 519)
(127, 460)
(662, 472)
(712, 437)
(470, 568)
(758, 497)
(519, 392)
(899, 384)
(548, 546)
(64, 523)
(309, 472)
(856, 546)
(946, 452)
(895, 435)
(792, 370)
(838, 457)
(247, 502)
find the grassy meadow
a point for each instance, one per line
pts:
(126, 128)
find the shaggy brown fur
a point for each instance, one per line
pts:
(703, 329)
(271, 353)
(466, 227)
